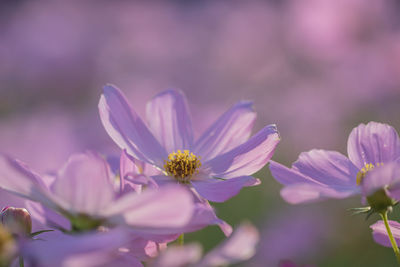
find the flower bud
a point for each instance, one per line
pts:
(17, 220)
(7, 247)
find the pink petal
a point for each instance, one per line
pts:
(230, 130)
(240, 246)
(84, 184)
(126, 128)
(246, 158)
(306, 192)
(15, 177)
(179, 256)
(47, 217)
(128, 167)
(287, 176)
(169, 120)
(373, 143)
(90, 249)
(170, 207)
(380, 234)
(221, 190)
(327, 167)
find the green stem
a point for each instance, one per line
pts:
(21, 261)
(181, 239)
(391, 238)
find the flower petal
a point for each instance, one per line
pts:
(287, 176)
(126, 128)
(307, 193)
(170, 207)
(230, 130)
(221, 190)
(84, 185)
(373, 143)
(240, 246)
(169, 120)
(15, 177)
(246, 158)
(327, 167)
(380, 235)
(47, 217)
(90, 249)
(179, 256)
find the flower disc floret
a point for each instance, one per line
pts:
(182, 165)
(368, 167)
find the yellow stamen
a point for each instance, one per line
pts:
(361, 174)
(182, 165)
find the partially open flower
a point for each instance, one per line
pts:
(17, 220)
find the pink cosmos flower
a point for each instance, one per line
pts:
(380, 235)
(322, 174)
(217, 165)
(83, 192)
(239, 247)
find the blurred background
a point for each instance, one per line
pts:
(316, 68)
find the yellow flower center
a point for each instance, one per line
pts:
(361, 174)
(182, 165)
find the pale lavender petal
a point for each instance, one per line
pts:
(380, 234)
(203, 216)
(168, 207)
(169, 120)
(373, 143)
(92, 249)
(179, 256)
(240, 246)
(230, 130)
(128, 167)
(246, 158)
(84, 184)
(327, 167)
(126, 128)
(47, 217)
(306, 192)
(15, 177)
(383, 177)
(287, 176)
(218, 190)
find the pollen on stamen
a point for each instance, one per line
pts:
(182, 165)
(364, 170)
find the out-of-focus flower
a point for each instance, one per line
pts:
(217, 165)
(321, 174)
(8, 247)
(83, 192)
(88, 249)
(239, 247)
(380, 235)
(17, 220)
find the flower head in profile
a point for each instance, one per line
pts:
(217, 165)
(322, 174)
